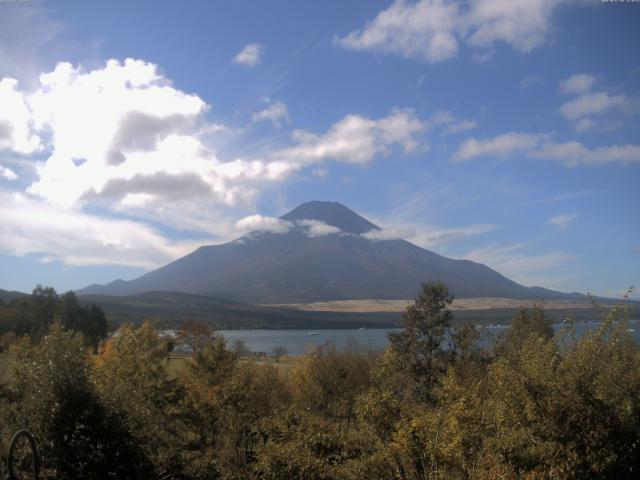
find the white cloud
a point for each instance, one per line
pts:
(316, 228)
(461, 126)
(594, 104)
(526, 268)
(450, 123)
(137, 200)
(123, 133)
(16, 131)
(562, 220)
(250, 55)
(7, 173)
(355, 139)
(575, 153)
(589, 105)
(123, 140)
(121, 121)
(440, 118)
(585, 124)
(578, 83)
(499, 146)
(425, 235)
(523, 24)
(276, 112)
(425, 30)
(570, 153)
(259, 223)
(75, 238)
(432, 30)
(390, 233)
(444, 236)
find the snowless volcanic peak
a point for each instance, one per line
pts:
(296, 266)
(331, 213)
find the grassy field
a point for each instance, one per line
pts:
(378, 305)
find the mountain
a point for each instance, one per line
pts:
(307, 264)
(331, 213)
(6, 295)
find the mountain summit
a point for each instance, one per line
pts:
(302, 265)
(331, 213)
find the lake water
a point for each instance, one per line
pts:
(298, 342)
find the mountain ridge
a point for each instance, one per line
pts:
(331, 213)
(295, 266)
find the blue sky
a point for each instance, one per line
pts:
(503, 132)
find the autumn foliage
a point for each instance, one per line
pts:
(438, 403)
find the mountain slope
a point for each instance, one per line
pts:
(298, 267)
(6, 295)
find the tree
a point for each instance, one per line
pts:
(196, 335)
(131, 376)
(328, 382)
(418, 347)
(78, 436)
(40, 310)
(34, 314)
(240, 348)
(526, 323)
(203, 406)
(569, 411)
(90, 321)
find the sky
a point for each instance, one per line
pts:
(505, 132)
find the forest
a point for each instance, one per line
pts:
(438, 403)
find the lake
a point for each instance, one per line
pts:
(298, 342)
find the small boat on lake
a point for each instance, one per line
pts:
(311, 334)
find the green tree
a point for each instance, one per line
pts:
(54, 398)
(570, 412)
(32, 315)
(90, 321)
(131, 375)
(527, 322)
(252, 394)
(202, 406)
(418, 348)
(328, 382)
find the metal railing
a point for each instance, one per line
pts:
(12, 456)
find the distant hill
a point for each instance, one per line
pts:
(170, 308)
(6, 295)
(300, 266)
